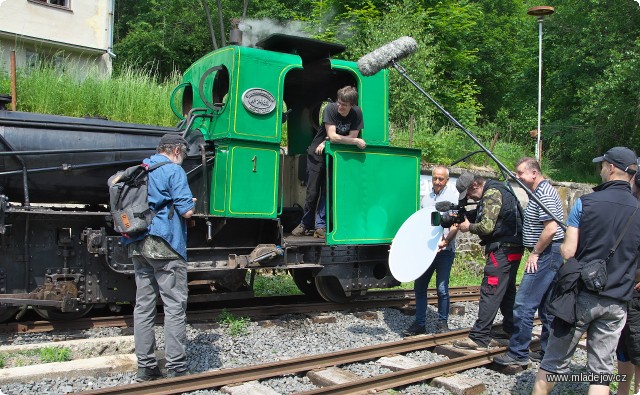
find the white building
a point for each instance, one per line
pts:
(80, 31)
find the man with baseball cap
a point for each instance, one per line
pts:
(621, 157)
(160, 262)
(498, 223)
(594, 225)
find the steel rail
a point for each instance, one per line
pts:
(224, 377)
(377, 299)
(410, 376)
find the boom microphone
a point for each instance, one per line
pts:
(379, 59)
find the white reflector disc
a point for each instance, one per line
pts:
(415, 246)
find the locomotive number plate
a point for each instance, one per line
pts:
(258, 101)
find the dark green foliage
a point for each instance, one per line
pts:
(396, 21)
(592, 53)
(479, 58)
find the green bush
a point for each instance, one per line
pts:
(448, 144)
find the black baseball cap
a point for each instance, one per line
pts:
(173, 139)
(620, 157)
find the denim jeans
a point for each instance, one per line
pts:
(531, 296)
(442, 266)
(315, 213)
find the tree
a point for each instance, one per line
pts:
(592, 65)
(169, 36)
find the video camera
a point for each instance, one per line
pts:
(448, 214)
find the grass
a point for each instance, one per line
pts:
(35, 356)
(274, 283)
(448, 144)
(55, 354)
(236, 326)
(467, 270)
(133, 96)
(138, 96)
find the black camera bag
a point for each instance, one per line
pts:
(594, 274)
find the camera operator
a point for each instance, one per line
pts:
(498, 222)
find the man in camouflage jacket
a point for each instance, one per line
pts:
(498, 222)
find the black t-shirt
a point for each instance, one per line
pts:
(331, 116)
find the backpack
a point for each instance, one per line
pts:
(129, 199)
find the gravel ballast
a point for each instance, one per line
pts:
(213, 347)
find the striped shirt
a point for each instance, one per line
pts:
(534, 216)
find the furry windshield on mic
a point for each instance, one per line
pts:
(379, 59)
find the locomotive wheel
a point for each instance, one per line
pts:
(7, 313)
(304, 280)
(331, 290)
(57, 315)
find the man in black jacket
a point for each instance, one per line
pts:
(595, 222)
(498, 222)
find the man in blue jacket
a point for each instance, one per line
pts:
(160, 262)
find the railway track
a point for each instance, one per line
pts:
(257, 308)
(232, 376)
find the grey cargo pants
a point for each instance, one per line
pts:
(168, 278)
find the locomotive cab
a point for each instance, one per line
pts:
(263, 107)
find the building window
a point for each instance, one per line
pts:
(55, 3)
(32, 59)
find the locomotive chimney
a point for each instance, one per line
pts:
(235, 34)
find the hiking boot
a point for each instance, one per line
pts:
(469, 344)
(414, 329)
(148, 374)
(320, 233)
(173, 373)
(499, 343)
(442, 327)
(499, 333)
(507, 360)
(536, 356)
(300, 230)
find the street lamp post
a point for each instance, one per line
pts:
(540, 12)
